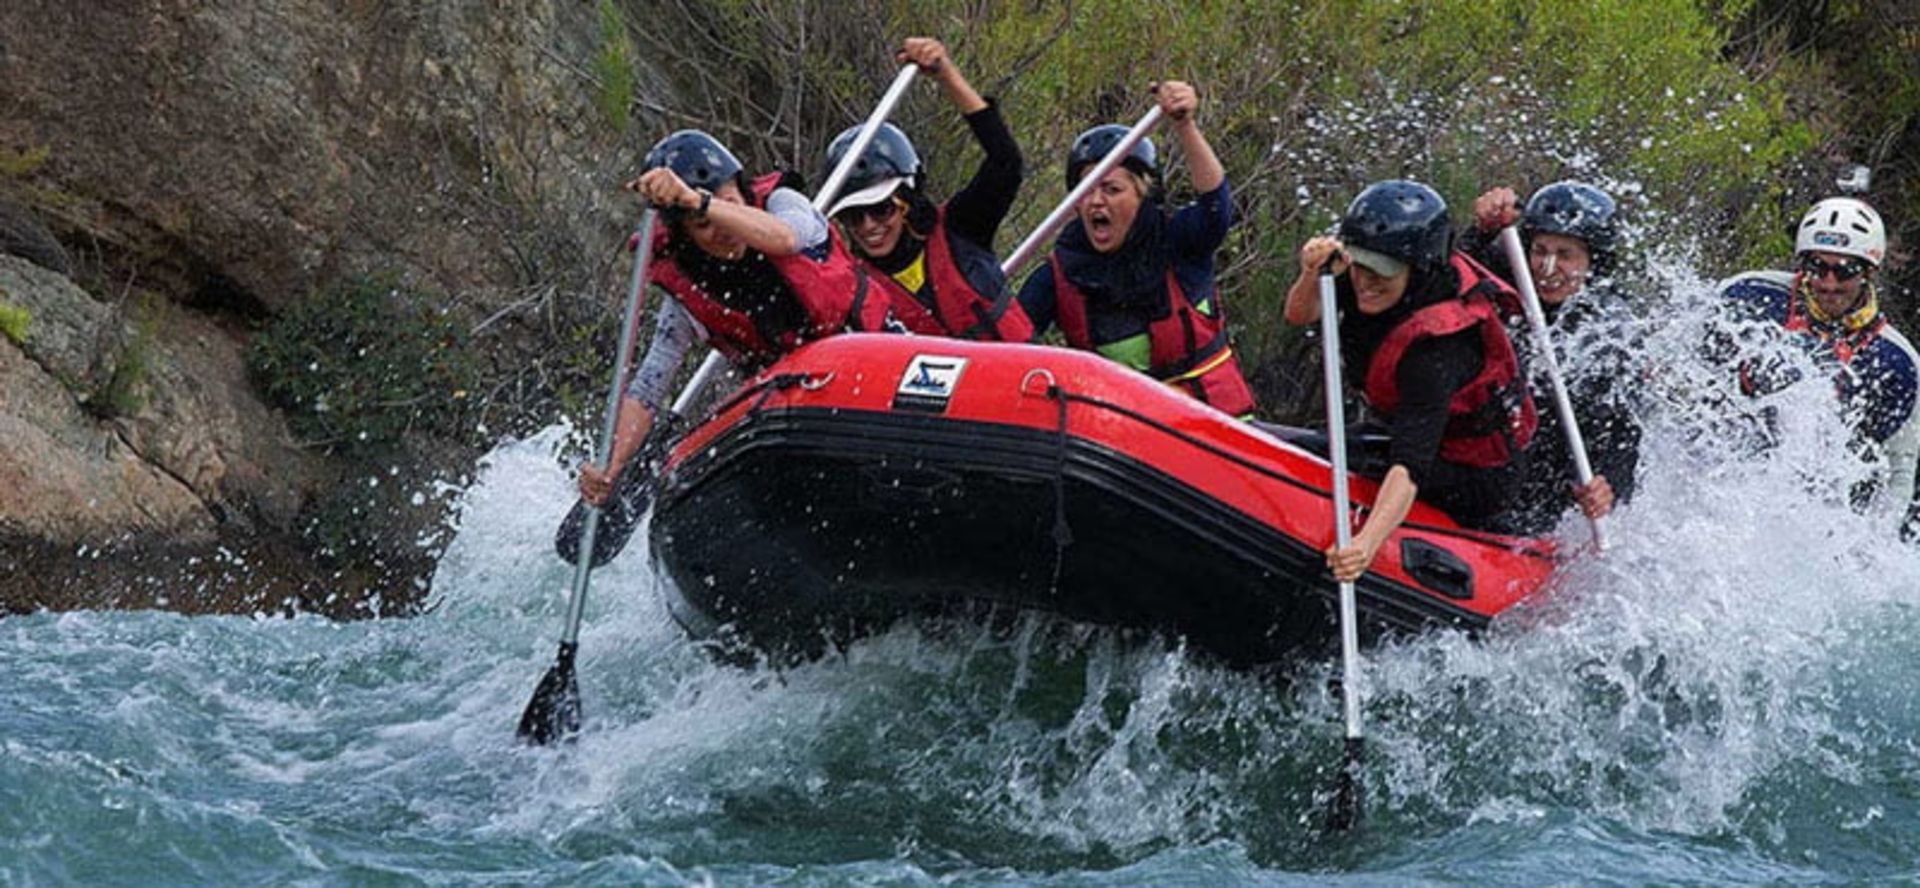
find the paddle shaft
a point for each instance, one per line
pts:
(1543, 347)
(1342, 525)
(831, 188)
(629, 331)
(1055, 220)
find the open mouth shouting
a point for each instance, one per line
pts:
(1101, 230)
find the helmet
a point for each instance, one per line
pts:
(697, 158)
(1842, 225)
(888, 163)
(1089, 147)
(1579, 211)
(1401, 220)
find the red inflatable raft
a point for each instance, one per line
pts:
(869, 477)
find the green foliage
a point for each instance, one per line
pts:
(1461, 94)
(121, 390)
(358, 367)
(613, 67)
(14, 164)
(14, 321)
(1849, 73)
(1703, 134)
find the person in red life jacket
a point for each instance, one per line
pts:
(753, 271)
(1134, 282)
(935, 262)
(1422, 335)
(1570, 230)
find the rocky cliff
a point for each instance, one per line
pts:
(175, 175)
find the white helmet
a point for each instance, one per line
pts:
(1845, 226)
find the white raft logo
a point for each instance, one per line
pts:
(928, 383)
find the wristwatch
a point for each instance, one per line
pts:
(706, 199)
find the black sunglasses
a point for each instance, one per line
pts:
(1845, 270)
(879, 212)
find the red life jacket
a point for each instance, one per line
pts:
(833, 291)
(960, 273)
(1491, 417)
(1187, 348)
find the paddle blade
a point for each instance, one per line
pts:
(632, 497)
(618, 520)
(554, 712)
(1343, 809)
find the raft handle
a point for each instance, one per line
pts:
(1026, 387)
(1437, 569)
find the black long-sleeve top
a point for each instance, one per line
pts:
(1430, 372)
(1594, 336)
(975, 212)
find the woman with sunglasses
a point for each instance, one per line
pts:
(752, 268)
(1134, 281)
(1829, 307)
(1571, 231)
(935, 262)
(1423, 339)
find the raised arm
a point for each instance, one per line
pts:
(726, 210)
(931, 56)
(1179, 101)
(977, 209)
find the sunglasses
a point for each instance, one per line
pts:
(879, 212)
(1845, 270)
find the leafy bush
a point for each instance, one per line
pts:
(613, 66)
(24, 163)
(1307, 102)
(120, 384)
(14, 321)
(361, 366)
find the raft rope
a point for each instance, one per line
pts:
(1064, 396)
(1062, 532)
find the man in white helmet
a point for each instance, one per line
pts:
(1830, 306)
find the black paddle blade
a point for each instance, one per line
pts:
(554, 712)
(618, 519)
(632, 496)
(1343, 810)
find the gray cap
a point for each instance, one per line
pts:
(1381, 263)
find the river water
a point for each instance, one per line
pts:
(1726, 697)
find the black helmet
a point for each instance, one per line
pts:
(889, 156)
(697, 158)
(1094, 144)
(1402, 220)
(1579, 211)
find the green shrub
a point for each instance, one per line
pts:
(613, 67)
(360, 366)
(14, 321)
(14, 164)
(117, 385)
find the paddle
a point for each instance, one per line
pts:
(1543, 345)
(633, 492)
(1344, 813)
(1058, 218)
(554, 710)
